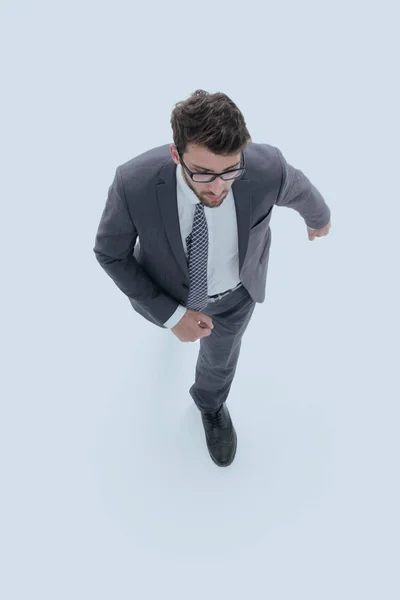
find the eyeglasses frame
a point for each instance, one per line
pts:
(215, 175)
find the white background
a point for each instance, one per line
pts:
(107, 488)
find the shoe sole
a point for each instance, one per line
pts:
(232, 459)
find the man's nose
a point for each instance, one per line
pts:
(217, 186)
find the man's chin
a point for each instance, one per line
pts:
(210, 201)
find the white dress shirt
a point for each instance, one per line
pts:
(223, 247)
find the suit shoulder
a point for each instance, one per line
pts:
(260, 152)
(148, 161)
(262, 161)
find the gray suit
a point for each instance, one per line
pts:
(142, 204)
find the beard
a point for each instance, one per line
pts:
(201, 197)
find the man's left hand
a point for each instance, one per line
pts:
(313, 233)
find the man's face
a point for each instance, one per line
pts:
(198, 159)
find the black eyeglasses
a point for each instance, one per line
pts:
(207, 177)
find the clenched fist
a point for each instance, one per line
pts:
(313, 233)
(192, 326)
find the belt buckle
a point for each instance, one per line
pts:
(217, 297)
(220, 296)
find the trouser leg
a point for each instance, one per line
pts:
(219, 352)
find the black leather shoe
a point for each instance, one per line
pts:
(220, 436)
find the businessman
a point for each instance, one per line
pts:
(185, 235)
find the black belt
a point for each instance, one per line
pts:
(223, 294)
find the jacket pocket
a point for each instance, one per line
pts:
(262, 223)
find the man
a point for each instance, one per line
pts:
(200, 212)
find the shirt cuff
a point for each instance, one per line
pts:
(175, 317)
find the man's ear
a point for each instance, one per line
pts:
(174, 154)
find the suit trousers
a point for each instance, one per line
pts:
(219, 351)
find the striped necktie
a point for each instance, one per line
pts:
(197, 246)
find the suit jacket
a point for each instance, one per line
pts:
(138, 241)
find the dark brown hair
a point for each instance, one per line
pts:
(210, 120)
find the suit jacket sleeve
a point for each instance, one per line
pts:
(299, 193)
(114, 244)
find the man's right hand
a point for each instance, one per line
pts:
(188, 328)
